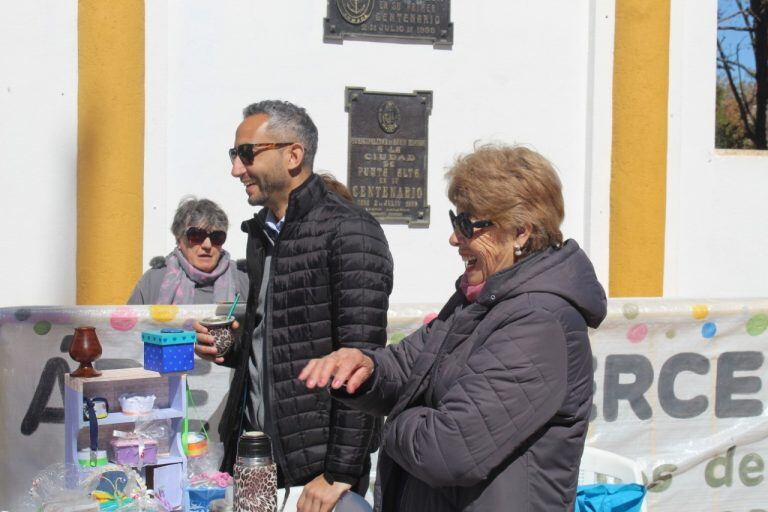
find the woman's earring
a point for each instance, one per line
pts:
(518, 250)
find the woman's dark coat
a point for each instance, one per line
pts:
(488, 405)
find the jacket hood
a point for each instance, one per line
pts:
(566, 272)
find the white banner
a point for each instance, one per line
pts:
(678, 387)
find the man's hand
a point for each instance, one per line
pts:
(320, 496)
(349, 367)
(205, 347)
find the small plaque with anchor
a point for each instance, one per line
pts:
(400, 21)
(387, 162)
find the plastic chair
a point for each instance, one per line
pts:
(603, 467)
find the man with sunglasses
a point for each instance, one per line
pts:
(320, 277)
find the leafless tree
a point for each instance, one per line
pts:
(750, 17)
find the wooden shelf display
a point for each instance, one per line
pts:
(170, 407)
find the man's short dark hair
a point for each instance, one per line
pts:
(290, 121)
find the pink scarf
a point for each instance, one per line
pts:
(178, 285)
(470, 291)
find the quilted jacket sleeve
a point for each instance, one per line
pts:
(361, 281)
(392, 367)
(512, 385)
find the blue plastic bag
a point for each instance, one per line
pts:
(609, 498)
(201, 497)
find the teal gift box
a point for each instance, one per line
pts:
(169, 350)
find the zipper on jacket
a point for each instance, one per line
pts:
(266, 340)
(243, 368)
(429, 393)
(270, 414)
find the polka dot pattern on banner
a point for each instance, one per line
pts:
(163, 312)
(630, 311)
(708, 330)
(123, 319)
(637, 333)
(670, 334)
(757, 324)
(169, 358)
(700, 311)
(42, 327)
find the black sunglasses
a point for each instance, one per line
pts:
(247, 152)
(197, 236)
(465, 226)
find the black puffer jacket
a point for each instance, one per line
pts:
(488, 405)
(329, 286)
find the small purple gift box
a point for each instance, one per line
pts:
(132, 451)
(169, 350)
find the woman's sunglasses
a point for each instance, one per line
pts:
(465, 226)
(247, 152)
(197, 236)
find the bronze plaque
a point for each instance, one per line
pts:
(387, 169)
(399, 21)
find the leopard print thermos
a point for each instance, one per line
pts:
(255, 474)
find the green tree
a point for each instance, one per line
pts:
(729, 130)
(746, 86)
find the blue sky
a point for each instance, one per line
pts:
(733, 38)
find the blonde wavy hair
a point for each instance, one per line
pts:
(513, 186)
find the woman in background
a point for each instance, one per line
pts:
(335, 186)
(198, 270)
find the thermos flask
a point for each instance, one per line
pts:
(255, 474)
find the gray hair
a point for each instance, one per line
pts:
(288, 119)
(201, 213)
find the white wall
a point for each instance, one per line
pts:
(531, 73)
(518, 72)
(716, 207)
(38, 151)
